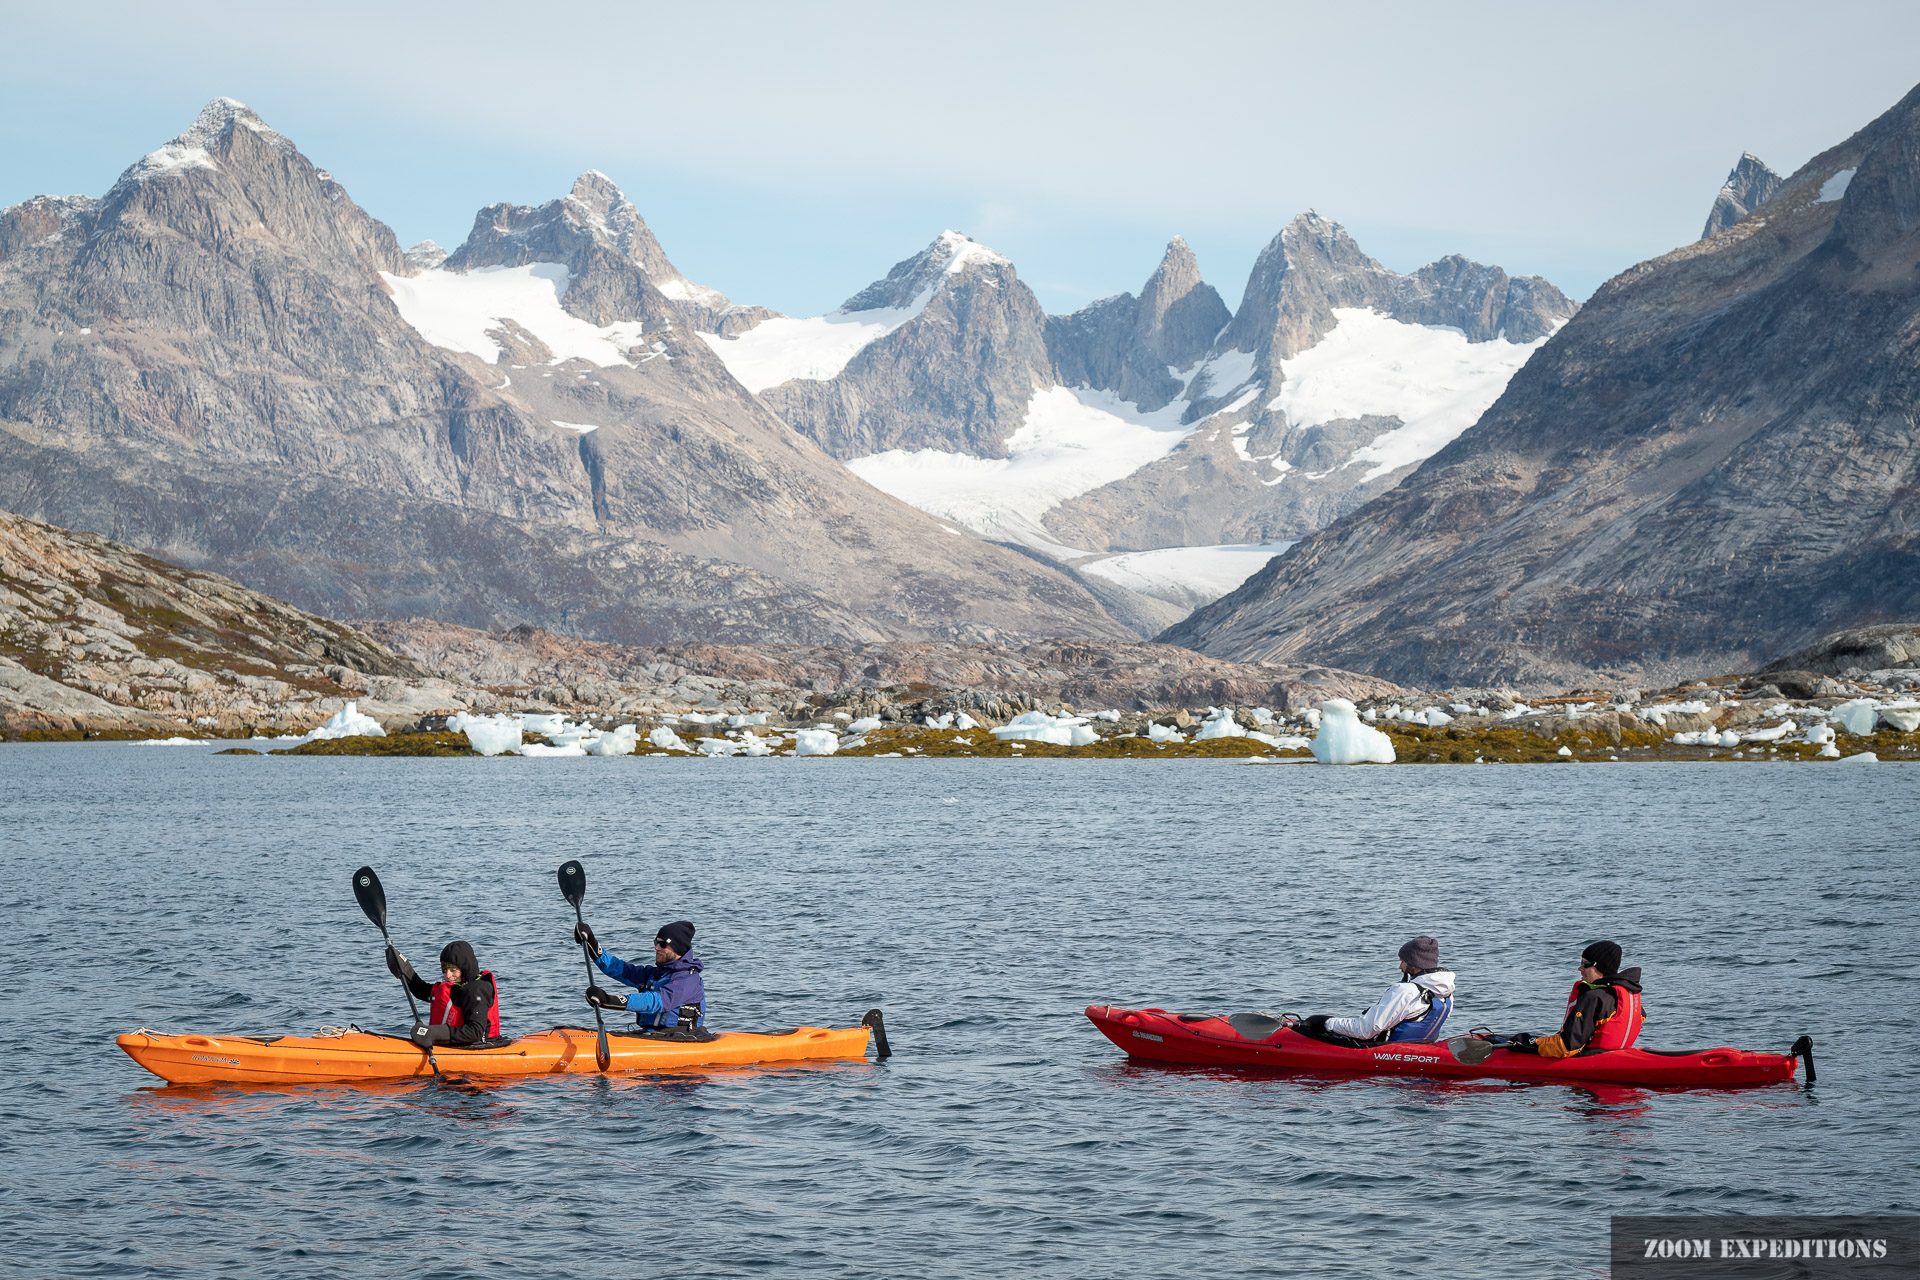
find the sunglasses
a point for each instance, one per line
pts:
(662, 942)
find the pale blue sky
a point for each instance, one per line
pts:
(788, 154)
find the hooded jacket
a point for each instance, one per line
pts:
(1593, 1006)
(473, 997)
(663, 988)
(1407, 999)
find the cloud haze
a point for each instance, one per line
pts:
(787, 154)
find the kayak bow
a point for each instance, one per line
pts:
(1256, 1040)
(364, 1055)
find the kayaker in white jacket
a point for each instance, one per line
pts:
(1414, 1008)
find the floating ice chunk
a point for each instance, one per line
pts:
(1771, 734)
(1903, 715)
(1860, 757)
(963, 722)
(1162, 733)
(1109, 717)
(816, 742)
(1564, 751)
(752, 746)
(174, 742)
(1435, 717)
(615, 742)
(1342, 739)
(542, 749)
(1038, 726)
(347, 722)
(718, 747)
(667, 740)
(1220, 726)
(489, 735)
(1856, 717)
(865, 724)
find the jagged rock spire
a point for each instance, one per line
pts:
(1750, 185)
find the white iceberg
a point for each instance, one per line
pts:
(741, 722)
(667, 740)
(489, 735)
(615, 742)
(963, 722)
(942, 721)
(1817, 733)
(1856, 717)
(1903, 715)
(1435, 717)
(175, 742)
(1162, 733)
(1038, 726)
(1219, 726)
(865, 724)
(1772, 734)
(347, 722)
(1860, 757)
(815, 742)
(542, 749)
(1342, 739)
(1109, 717)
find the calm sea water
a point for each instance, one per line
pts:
(982, 904)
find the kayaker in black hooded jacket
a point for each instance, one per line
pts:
(464, 1009)
(1603, 1010)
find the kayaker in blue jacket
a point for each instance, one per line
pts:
(671, 981)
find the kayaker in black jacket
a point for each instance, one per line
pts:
(1603, 1010)
(464, 1008)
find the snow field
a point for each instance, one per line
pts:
(456, 309)
(1431, 378)
(1190, 576)
(1073, 441)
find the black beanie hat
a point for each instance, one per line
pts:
(1422, 953)
(678, 935)
(1604, 956)
(461, 954)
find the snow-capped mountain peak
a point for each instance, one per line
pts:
(195, 146)
(912, 282)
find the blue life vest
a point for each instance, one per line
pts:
(1427, 1026)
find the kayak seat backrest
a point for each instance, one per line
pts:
(1254, 1026)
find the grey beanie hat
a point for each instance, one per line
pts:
(1422, 953)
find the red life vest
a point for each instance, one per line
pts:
(1622, 1028)
(443, 1012)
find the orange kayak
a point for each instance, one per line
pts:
(365, 1055)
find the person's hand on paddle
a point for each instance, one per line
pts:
(583, 934)
(398, 965)
(605, 999)
(1316, 1023)
(425, 1036)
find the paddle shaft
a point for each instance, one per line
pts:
(414, 1009)
(602, 1054)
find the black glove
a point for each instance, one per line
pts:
(397, 964)
(583, 934)
(605, 999)
(1521, 1042)
(1316, 1023)
(426, 1036)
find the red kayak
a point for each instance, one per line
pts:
(1260, 1040)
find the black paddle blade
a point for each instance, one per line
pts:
(1471, 1050)
(373, 898)
(601, 1054)
(573, 881)
(877, 1020)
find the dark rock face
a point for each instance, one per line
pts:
(1863, 649)
(1131, 346)
(1715, 461)
(1750, 185)
(209, 360)
(957, 376)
